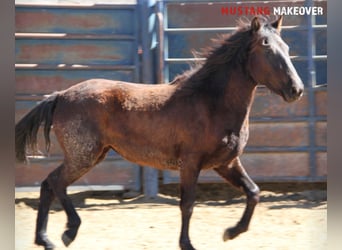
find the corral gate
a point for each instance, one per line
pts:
(58, 45)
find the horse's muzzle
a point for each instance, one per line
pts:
(294, 92)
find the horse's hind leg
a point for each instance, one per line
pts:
(55, 186)
(46, 198)
(237, 176)
(60, 180)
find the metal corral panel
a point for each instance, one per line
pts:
(78, 19)
(58, 46)
(287, 141)
(187, 27)
(45, 81)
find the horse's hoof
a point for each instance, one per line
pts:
(226, 235)
(188, 248)
(230, 234)
(49, 248)
(45, 242)
(66, 240)
(233, 232)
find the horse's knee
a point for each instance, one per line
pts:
(254, 195)
(187, 206)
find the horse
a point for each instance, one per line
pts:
(198, 121)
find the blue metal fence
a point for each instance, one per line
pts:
(150, 41)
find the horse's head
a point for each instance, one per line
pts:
(269, 61)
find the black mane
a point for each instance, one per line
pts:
(229, 52)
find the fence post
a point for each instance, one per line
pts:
(311, 43)
(148, 44)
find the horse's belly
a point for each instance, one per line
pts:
(147, 156)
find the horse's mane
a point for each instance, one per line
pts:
(228, 51)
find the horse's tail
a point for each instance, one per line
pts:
(27, 128)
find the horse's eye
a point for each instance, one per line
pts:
(265, 42)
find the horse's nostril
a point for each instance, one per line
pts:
(300, 92)
(296, 92)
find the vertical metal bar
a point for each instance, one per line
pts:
(311, 47)
(163, 54)
(166, 44)
(136, 44)
(311, 92)
(160, 68)
(146, 34)
(150, 175)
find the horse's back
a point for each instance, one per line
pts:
(91, 89)
(101, 90)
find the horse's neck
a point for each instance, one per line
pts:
(229, 93)
(239, 91)
(238, 97)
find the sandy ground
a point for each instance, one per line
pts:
(284, 219)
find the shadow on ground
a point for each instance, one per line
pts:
(284, 195)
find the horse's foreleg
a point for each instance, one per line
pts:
(238, 177)
(46, 198)
(188, 195)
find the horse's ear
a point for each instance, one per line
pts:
(277, 23)
(255, 25)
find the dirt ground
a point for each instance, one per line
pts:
(289, 216)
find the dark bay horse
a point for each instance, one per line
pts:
(198, 121)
